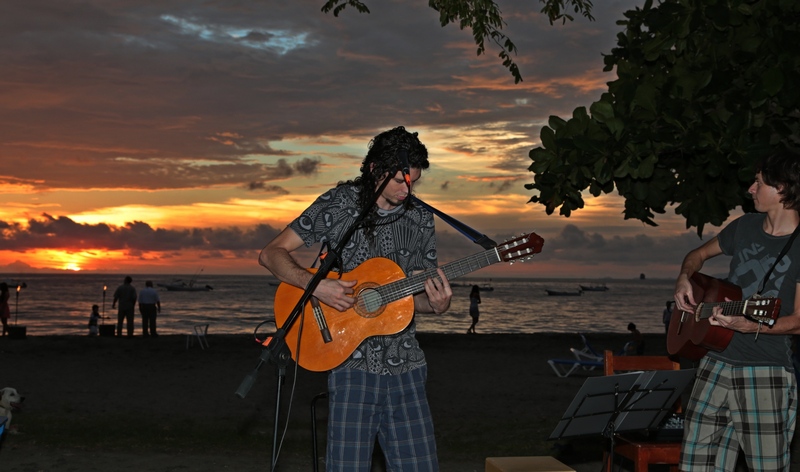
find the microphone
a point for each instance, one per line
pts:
(402, 156)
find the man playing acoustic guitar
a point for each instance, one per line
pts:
(745, 396)
(379, 390)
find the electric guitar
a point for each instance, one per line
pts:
(384, 303)
(691, 335)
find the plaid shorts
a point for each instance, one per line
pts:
(752, 407)
(393, 408)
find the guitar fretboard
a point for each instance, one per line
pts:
(755, 308)
(416, 283)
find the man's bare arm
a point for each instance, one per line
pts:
(277, 257)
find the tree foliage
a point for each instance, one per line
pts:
(703, 89)
(485, 20)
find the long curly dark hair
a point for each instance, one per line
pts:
(383, 154)
(782, 169)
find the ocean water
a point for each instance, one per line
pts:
(60, 305)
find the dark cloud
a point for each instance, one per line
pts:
(135, 237)
(179, 94)
(281, 171)
(262, 187)
(573, 244)
(176, 94)
(570, 246)
(306, 166)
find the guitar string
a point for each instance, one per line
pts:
(409, 286)
(373, 299)
(736, 308)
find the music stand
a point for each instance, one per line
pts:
(635, 401)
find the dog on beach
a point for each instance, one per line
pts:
(10, 400)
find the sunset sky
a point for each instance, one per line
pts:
(165, 137)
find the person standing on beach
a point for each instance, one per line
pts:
(666, 316)
(149, 307)
(94, 317)
(379, 390)
(5, 310)
(474, 312)
(125, 294)
(745, 396)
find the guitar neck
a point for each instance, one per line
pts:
(732, 308)
(416, 283)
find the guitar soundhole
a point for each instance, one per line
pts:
(370, 302)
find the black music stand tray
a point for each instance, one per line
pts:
(611, 404)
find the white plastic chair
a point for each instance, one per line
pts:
(588, 353)
(199, 332)
(586, 358)
(565, 367)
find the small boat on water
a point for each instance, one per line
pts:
(484, 287)
(181, 286)
(594, 288)
(178, 285)
(563, 293)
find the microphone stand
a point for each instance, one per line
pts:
(276, 351)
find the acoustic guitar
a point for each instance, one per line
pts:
(691, 335)
(384, 303)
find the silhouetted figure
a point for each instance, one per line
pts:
(5, 310)
(149, 307)
(666, 316)
(93, 320)
(636, 346)
(126, 296)
(474, 312)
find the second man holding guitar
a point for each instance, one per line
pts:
(745, 396)
(379, 390)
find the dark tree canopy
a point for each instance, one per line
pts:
(703, 89)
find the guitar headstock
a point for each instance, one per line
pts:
(765, 310)
(521, 247)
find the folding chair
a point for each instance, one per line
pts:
(586, 358)
(565, 367)
(642, 452)
(588, 353)
(198, 331)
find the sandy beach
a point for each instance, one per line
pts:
(97, 404)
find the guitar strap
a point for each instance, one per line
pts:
(472, 234)
(780, 256)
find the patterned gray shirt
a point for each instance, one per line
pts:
(406, 237)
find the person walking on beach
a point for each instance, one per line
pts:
(126, 296)
(379, 390)
(5, 310)
(474, 312)
(93, 318)
(149, 307)
(745, 396)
